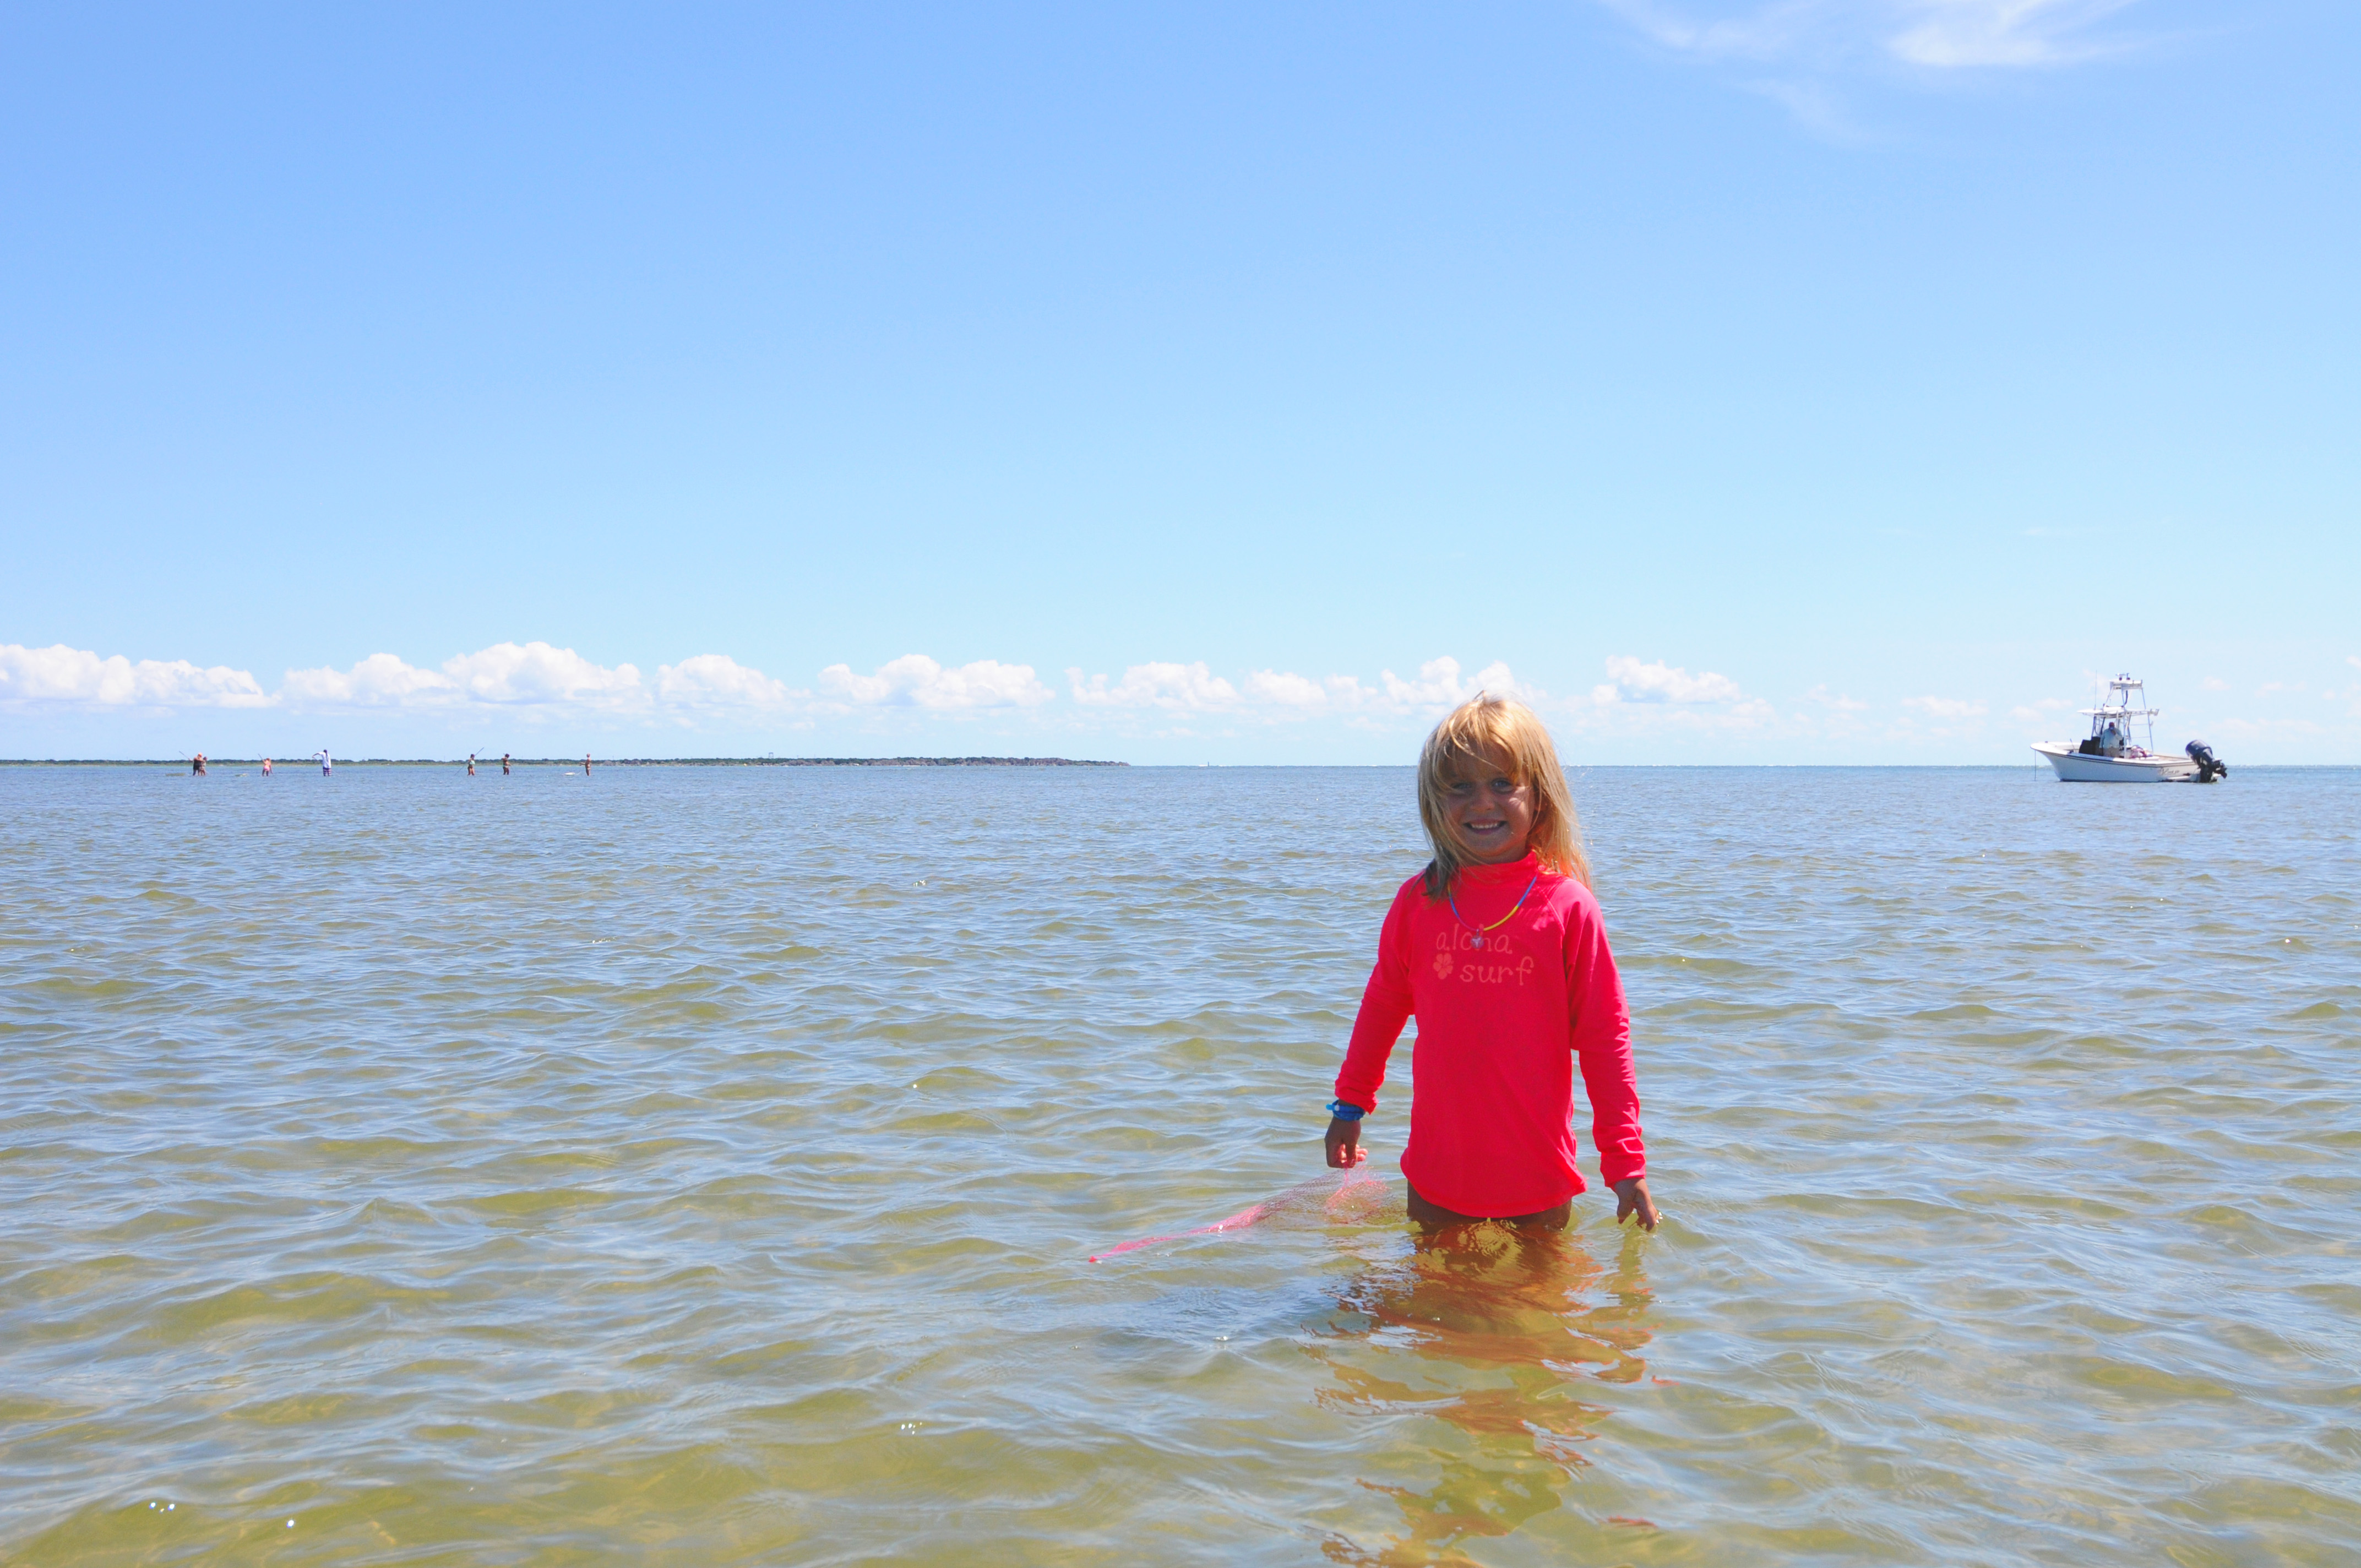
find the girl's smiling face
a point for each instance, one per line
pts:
(1491, 812)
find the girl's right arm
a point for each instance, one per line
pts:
(1385, 1008)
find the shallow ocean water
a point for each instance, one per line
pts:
(703, 1165)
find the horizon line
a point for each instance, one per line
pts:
(300, 759)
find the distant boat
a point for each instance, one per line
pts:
(2109, 755)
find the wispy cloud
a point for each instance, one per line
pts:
(1753, 32)
(1942, 34)
(1952, 34)
(1949, 710)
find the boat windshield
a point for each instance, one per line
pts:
(2112, 721)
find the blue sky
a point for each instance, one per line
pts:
(1830, 381)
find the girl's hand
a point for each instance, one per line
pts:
(1630, 1197)
(1344, 1141)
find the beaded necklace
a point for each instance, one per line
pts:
(1477, 931)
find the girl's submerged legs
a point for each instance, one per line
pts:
(1435, 1216)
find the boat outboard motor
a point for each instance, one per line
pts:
(2209, 766)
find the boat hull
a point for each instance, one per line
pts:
(2077, 767)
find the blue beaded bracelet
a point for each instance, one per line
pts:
(1344, 1112)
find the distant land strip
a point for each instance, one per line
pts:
(483, 762)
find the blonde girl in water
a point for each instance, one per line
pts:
(1500, 950)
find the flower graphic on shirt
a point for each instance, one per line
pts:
(1442, 963)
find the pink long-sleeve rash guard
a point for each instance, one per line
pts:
(1500, 1026)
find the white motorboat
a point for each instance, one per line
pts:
(2110, 755)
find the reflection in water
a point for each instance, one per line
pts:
(1488, 1328)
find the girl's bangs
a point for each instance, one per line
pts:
(1481, 736)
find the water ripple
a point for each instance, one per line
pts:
(702, 1165)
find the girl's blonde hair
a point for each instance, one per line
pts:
(1489, 732)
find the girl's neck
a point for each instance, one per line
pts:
(1524, 864)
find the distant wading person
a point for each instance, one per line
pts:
(266, 767)
(326, 766)
(197, 764)
(1499, 949)
(471, 764)
(504, 764)
(586, 765)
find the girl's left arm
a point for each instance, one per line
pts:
(1602, 1044)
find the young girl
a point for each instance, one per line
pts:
(1498, 947)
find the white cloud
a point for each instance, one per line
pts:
(716, 680)
(1821, 696)
(1631, 681)
(539, 673)
(1185, 686)
(541, 676)
(1652, 697)
(2214, 683)
(915, 681)
(1947, 708)
(534, 675)
(1439, 685)
(1283, 693)
(63, 674)
(382, 680)
(1284, 690)
(542, 680)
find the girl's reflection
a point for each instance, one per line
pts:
(1487, 1327)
